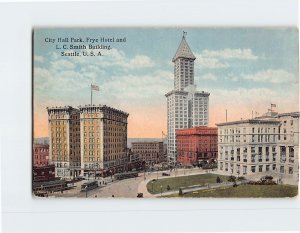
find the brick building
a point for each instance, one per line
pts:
(40, 155)
(197, 144)
(150, 152)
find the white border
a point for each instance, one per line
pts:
(22, 213)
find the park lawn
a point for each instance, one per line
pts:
(182, 181)
(246, 191)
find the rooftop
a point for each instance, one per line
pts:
(183, 51)
(250, 121)
(101, 107)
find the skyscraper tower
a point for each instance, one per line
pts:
(185, 105)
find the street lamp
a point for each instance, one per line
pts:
(161, 190)
(86, 191)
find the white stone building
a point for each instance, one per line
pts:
(186, 107)
(267, 145)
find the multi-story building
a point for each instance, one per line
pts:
(267, 145)
(64, 141)
(186, 107)
(197, 144)
(149, 152)
(103, 132)
(288, 147)
(40, 155)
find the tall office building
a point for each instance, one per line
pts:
(64, 141)
(186, 106)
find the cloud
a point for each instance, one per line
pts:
(271, 76)
(209, 63)
(216, 59)
(141, 61)
(40, 59)
(243, 54)
(62, 64)
(209, 76)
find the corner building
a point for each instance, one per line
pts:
(103, 132)
(64, 141)
(197, 144)
(267, 145)
(186, 107)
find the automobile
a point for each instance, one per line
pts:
(140, 195)
(165, 174)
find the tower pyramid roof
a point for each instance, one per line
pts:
(183, 51)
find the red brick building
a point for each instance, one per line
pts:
(40, 155)
(197, 144)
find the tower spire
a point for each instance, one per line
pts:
(184, 50)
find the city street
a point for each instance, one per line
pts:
(128, 188)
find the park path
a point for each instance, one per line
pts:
(199, 188)
(142, 188)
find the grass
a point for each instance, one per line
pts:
(182, 181)
(246, 191)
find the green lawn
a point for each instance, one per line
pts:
(247, 191)
(182, 181)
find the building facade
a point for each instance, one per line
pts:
(103, 132)
(40, 155)
(267, 145)
(186, 107)
(288, 147)
(64, 141)
(197, 144)
(149, 152)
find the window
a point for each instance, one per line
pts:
(253, 169)
(244, 170)
(260, 168)
(290, 170)
(267, 167)
(281, 169)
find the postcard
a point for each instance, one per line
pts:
(165, 112)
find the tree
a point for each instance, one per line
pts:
(168, 187)
(218, 180)
(180, 192)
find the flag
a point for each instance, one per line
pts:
(95, 87)
(273, 105)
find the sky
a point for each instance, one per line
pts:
(243, 69)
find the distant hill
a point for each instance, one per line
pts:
(43, 141)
